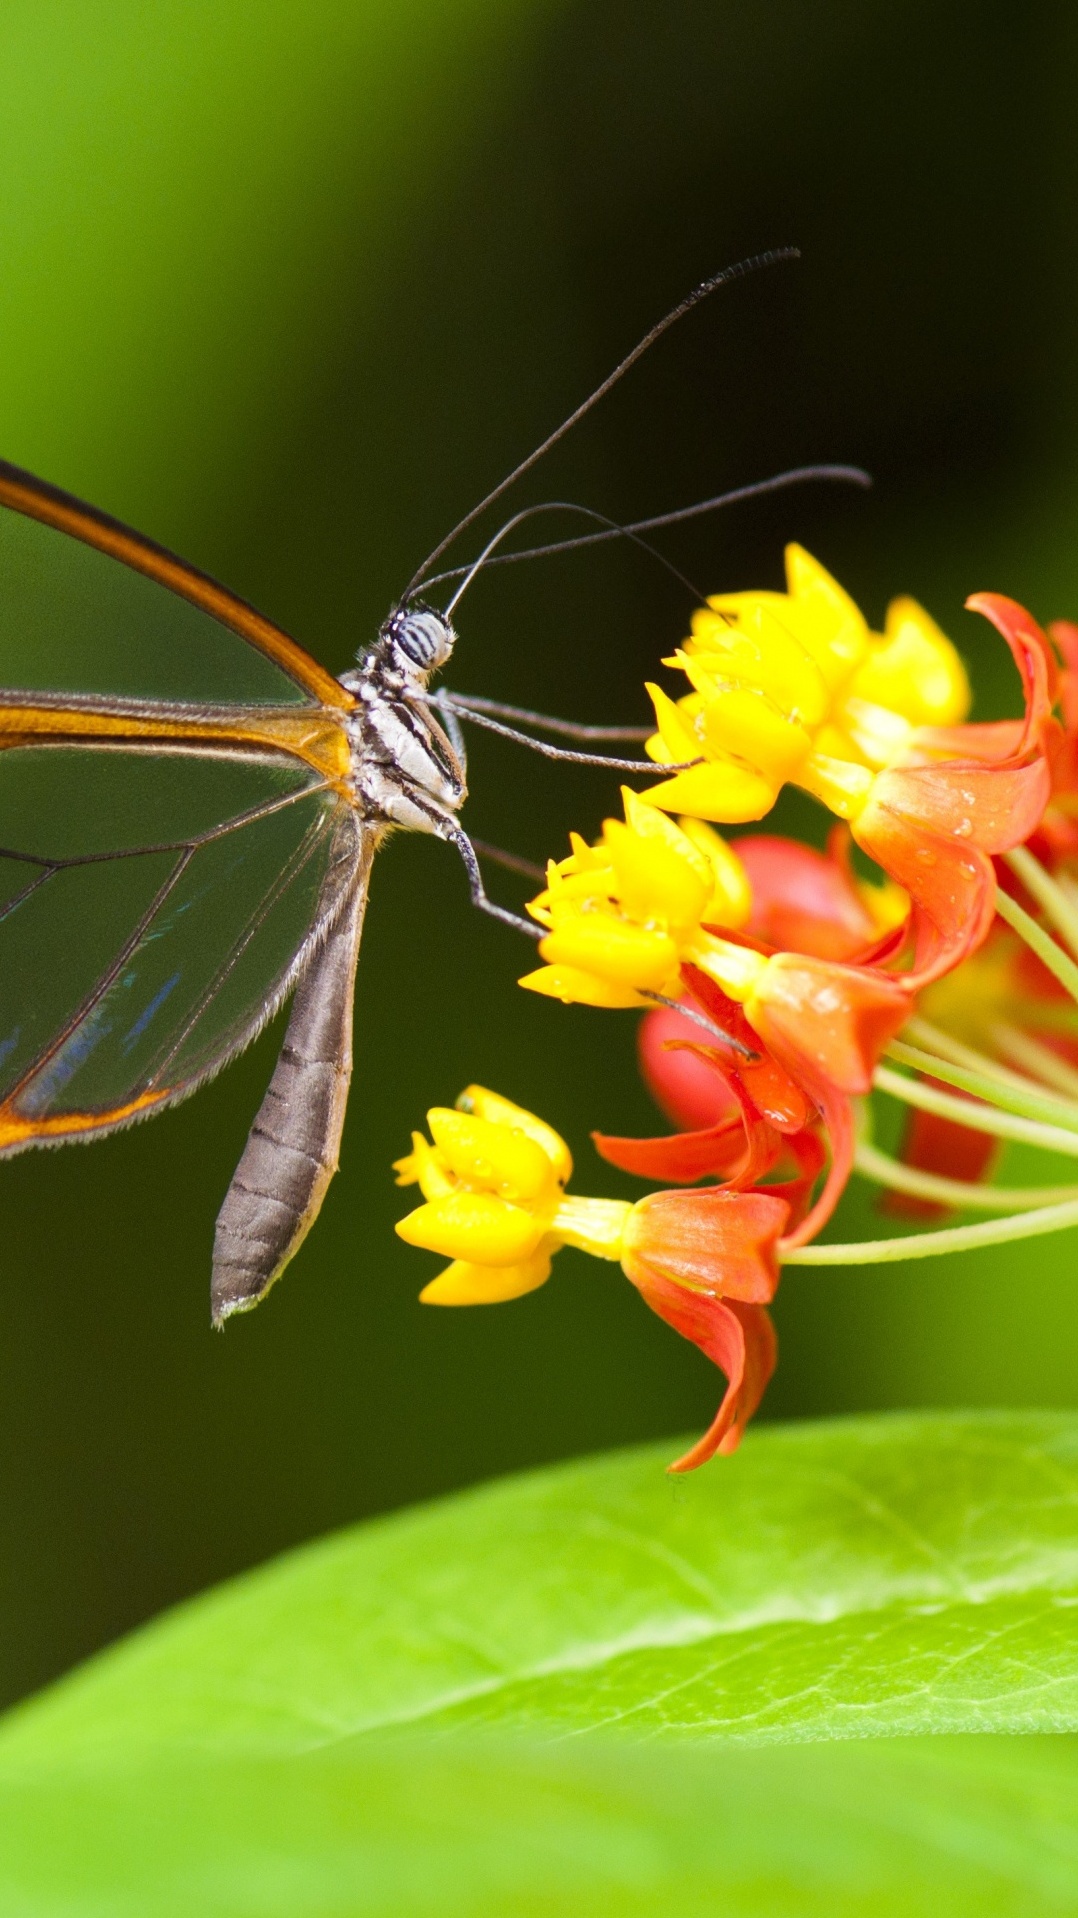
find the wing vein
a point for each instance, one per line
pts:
(103, 981)
(288, 872)
(189, 845)
(9, 906)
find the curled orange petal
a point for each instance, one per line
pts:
(737, 1337)
(715, 1152)
(1033, 656)
(934, 829)
(739, 1150)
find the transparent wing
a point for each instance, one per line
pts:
(154, 909)
(87, 606)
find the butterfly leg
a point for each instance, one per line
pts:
(543, 722)
(512, 861)
(456, 836)
(481, 717)
(453, 727)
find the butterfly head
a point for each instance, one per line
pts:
(419, 641)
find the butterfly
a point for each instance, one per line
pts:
(189, 810)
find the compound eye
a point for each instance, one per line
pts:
(424, 639)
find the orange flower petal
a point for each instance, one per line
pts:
(739, 1150)
(1064, 635)
(1032, 655)
(837, 1114)
(804, 900)
(714, 1241)
(934, 826)
(737, 1337)
(989, 808)
(715, 1152)
(826, 1023)
(773, 1092)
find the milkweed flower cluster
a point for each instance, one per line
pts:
(779, 985)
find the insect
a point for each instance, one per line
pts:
(189, 809)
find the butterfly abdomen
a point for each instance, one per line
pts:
(292, 1148)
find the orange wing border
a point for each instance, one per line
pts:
(18, 1133)
(37, 499)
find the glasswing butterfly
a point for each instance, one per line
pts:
(189, 808)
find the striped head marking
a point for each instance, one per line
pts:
(417, 642)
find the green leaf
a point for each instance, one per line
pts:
(903, 1828)
(267, 1749)
(880, 1575)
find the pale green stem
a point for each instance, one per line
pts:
(878, 1166)
(1051, 898)
(1032, 1104)
(932, 1245)
(1039, 941)
(1002, 1125)
(1036, 1057)
(922, 1033)
(1068, 888)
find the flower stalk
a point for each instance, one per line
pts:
(1040, 941)
(980, 1117)
(931, 1245)
(957, 1194)
(1058, 908)
(990, 1086)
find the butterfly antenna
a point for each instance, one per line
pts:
(773, 257)
(612, 530)
(756, 489)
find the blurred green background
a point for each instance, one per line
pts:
(289, 286)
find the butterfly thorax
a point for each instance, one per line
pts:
(404, 769)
